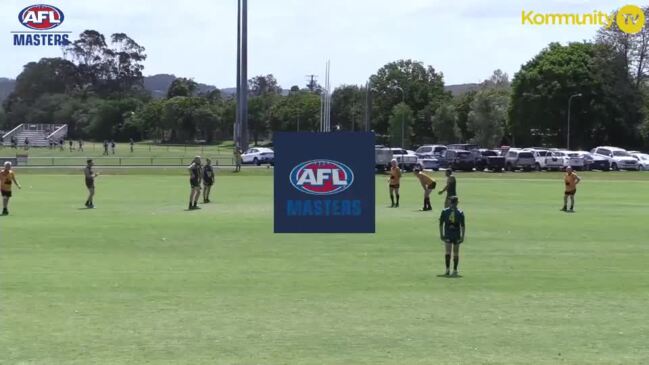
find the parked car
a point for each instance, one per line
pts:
(258, 156)
(594, 162)
(543, 159)
(406, 160)
(519, 159)
(428, 163)
(382, 158)
(491, 160)
(430, 150)
(573, 159)
(619, 158)
(473, 148)
(459, 159)
(643, 161)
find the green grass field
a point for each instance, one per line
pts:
(139, 280)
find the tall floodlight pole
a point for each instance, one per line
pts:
(568, 133)
(241, 129)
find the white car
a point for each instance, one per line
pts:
(258, 156)
(544, 160)
(643, 161)
(407, 160)
(619, 158)
(575, 160)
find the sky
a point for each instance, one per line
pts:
(466, 40)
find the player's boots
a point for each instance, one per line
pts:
(5, 211)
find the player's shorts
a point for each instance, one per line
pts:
(571, 193)
(395, 186)
(452, 239)
(90, 183)
(194, 183)
(6, 193)
(430, 186)
(208, 182)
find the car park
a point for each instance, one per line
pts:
(516, 159)
(619, 158)
(258, 156)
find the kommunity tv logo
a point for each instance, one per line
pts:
(630, 19)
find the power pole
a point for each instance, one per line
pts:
(312, 85)
(241, 126)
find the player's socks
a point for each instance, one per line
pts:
(456, 260)
(392, 200)
(447, 260)
(397, 205)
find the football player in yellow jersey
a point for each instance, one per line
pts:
(571, 180)
(394, 182)
(428, 184)
(7, 178)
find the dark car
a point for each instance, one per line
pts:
(459, 159)
(491, 160)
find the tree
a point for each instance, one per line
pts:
(633, 48)
(401, 122)
(444, 124)
(422, 87)
(347, 103)
(608, 111)
(487, 118)
(182, 87)
(462, 106)
(127, 62)
(108, 70)
(207, 121)
(299, 111)
(3, 119)
(260, 85)
(47, 76)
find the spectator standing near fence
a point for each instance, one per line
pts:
(112, 146)
(131, 143)
(80, 146)
(70, 144)
(105, 147)
(237, 159)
